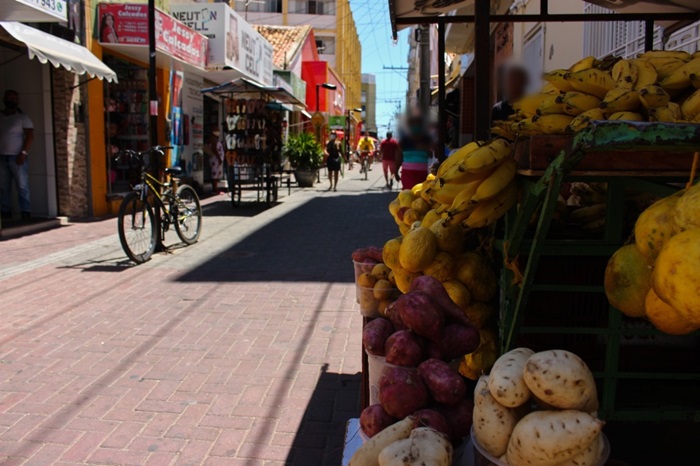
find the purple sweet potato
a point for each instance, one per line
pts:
(392, 313)
(433, 288)
(374, 420)
(458, 417)
(433, 350)
(419, 313)
(375, 335)
(430, 418)
(368, 254)
(402, 392)
(444, 384)
(404, 348)
(458, 340)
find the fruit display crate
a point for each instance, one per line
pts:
(552, 286)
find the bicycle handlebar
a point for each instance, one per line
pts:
(132, 154)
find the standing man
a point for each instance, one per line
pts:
(16, 136)
(333, 161)
(388, 149)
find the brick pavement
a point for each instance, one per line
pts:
(241, 349)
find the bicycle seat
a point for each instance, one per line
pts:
(174, 171)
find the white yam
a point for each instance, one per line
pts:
(425, 446)
(548, 438)
(492, 422)
(368, 453)
(506, 382)
(561, 379)
(590, 456)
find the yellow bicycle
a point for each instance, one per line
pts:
(179, 206)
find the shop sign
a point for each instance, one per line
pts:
(233, 43)
(128, 24)
(56, 8)
(336, 121)
(298, 85)
(318, 119)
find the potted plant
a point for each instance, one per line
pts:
(306, 156)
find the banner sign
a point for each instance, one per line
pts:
(56, 8)
(125, 23)
(336, 122)
(233, 43)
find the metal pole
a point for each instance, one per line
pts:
(649, 35)
(442, 123)
(153, 106)
(347, 136)
(424, 38)
(318, 127)
(482, 71)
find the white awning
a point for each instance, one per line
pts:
(33, 11)
(47, 48)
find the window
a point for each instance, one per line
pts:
(533, 55)
(312, 7)
(258, 6)
(325, 45)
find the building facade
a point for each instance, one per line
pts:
(369, 103)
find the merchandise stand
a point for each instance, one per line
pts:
(607, 337)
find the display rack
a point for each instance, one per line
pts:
(617, 348)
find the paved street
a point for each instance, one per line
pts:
(242, 349)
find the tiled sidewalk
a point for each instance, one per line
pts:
(242, 349)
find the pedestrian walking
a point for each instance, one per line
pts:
(388, 151)
(16, 136)
(215, 152)
(333, 161)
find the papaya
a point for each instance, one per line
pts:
(418, 249)
(403, 279)
(449, 236)
(655, 226)
(406, 198)
(390, 252)
(442, 268)
(410, 217)
(420, 206)
(676, 276)
(459, 294)
(665, 317)
(394, 207)
(687, 213)
(628, 280)
(431, 217)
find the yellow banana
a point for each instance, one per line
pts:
(627, 116)
(695, 81)
(527, 106)
(486, 156)
(462, 202)
(456, 158)
(426, 192)
(653, 96)
(593, 81)
(669, 114)
(695, 55)
(585, 63)
(665, 54)
(625, 73)
(552, 124)
(550, 106)
(583, 120)
(646, 74)
(681, 78)
(497, 181)
(503, 130)
(556, 78)
(576, 103)
(620, 100)
(445, 193)
(690, 108)
(665, 66)
(488, 212)
(549, 88)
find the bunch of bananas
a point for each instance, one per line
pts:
(659, 86)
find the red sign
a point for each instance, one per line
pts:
(127, 24)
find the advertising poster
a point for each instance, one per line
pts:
(174, 117)
(193, 115)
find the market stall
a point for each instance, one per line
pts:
(253, 128)
(585, 207)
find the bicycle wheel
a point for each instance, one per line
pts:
(365, 165)
(188, 214)
(137, 228)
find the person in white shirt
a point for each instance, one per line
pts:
(16, 136)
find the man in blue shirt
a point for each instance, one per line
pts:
(16, 136)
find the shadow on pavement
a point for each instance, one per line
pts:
(223, 208)
(319, 439)
(312, 243)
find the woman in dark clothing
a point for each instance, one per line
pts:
(333, 162)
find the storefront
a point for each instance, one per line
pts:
(330, 100)
(53, 99)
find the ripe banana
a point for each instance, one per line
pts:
(583, 120)
(669, 114)
(690, 108)
(585, 63)
(695, 81)
(550, 105)
(653, 96)
(497, 181)
(576, 103)
(661, 54)
(445, 193)
(426, 192)
(620, 100)
(488, 212)
(549, 88)
(549, 124)
(556, 79)
(588, 214)
(463, 202)
(665, 66)
(646, 74)
(626, 116)
(457, 157)
(593, 81)
(527, 106)
(681, 78)
(625, 74)
(486, 157)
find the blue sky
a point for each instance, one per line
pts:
(378, 50)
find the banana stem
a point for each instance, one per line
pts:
(693, 170)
